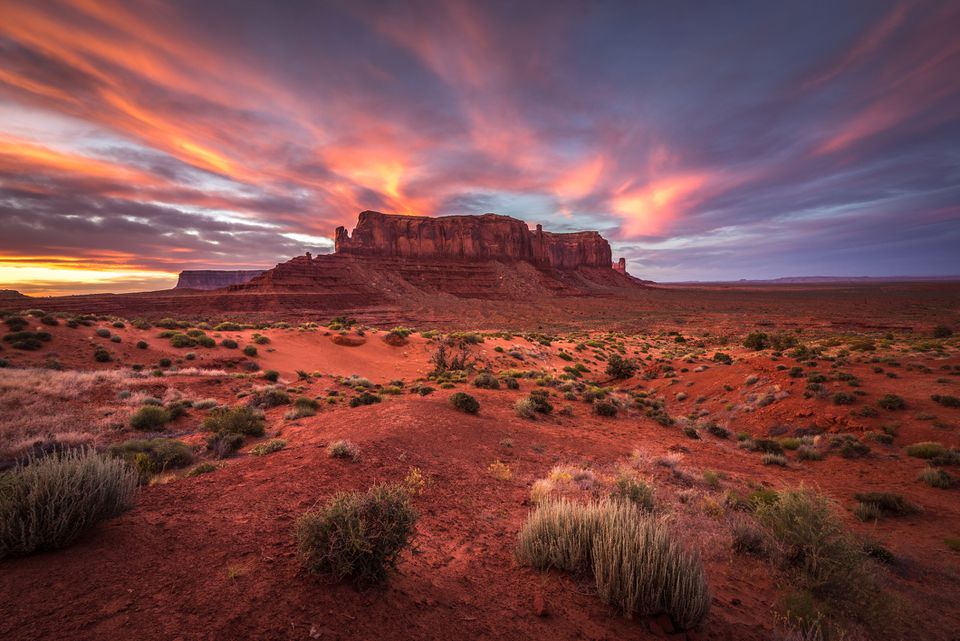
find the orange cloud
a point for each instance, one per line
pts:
(649, 209)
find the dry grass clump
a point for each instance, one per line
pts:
(34, 407)
(48, 503)
(638, 565)
(268, 447)
(235, 420)
(343, 449)
(926, 450)
(358, 535)
(935, 477)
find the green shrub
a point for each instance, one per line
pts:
(604, 407)
(228, 327)
(619, 367)
(250, 351)
(203, 468)
(271, 375)
(633, 490)
(756, 341)
(485, 380)
(926, 450)
(229, 343)
(142, 345)
(842, 398)
(946, 400)
(162, 453)
(767, 445)
(47, 503)
(181, 340)
(807, 453)
(268, 447)
(357, 535)
(723, 359)
(235, 420)
(150, 418)
(942, 331)
(891, 402)
(718, 431)
(464, 402)
(224, 444)
(825, 560)
(366, 398)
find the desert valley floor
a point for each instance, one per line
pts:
(835, 387)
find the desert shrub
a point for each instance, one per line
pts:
(807, 453)
(782, 341)
(142, 345)
(272, 375)
(813, 543)
(235, 420)
(47, 503)
(843, 398)
(485, 380)
(891, 402)
(756, 341)
(49, 320)
(935, 477)
(358, 535)
(774, 459)
(150, 418)
(102, 332)
(524, 408)
(180, 340)
(619, 367)
(540, 401)
(718, 431)
(203, 468)
(268, 397)
(366, 398)
(229, 343)
(691, 432)
(888, 503)
(464, 402)
(250, 351)
(724, 359)
(767, 445)
(604, 407)
(946, 400)
(268, 447)
(224, 444)
(16, 323)
(942, 331)
(153, 455)
(635, 491)
(164, 362)
(206, 341)
(748, 539)
(343, 449)
(511, 383)
(926, 450)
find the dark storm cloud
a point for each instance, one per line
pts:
(707, 140)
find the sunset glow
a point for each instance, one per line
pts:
(141, 138)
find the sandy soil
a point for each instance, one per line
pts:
(212, 557)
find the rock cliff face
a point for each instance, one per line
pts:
(214, 279)
(472, 238)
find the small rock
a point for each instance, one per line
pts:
(539, 606)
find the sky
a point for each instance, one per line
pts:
(705, 140)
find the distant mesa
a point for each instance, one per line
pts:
(208, 279)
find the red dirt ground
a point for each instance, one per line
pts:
(212, 557)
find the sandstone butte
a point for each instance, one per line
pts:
(209, 279)
(485, 256)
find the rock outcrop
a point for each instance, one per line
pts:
(472, 238)
(207, 279)
(390, 259)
